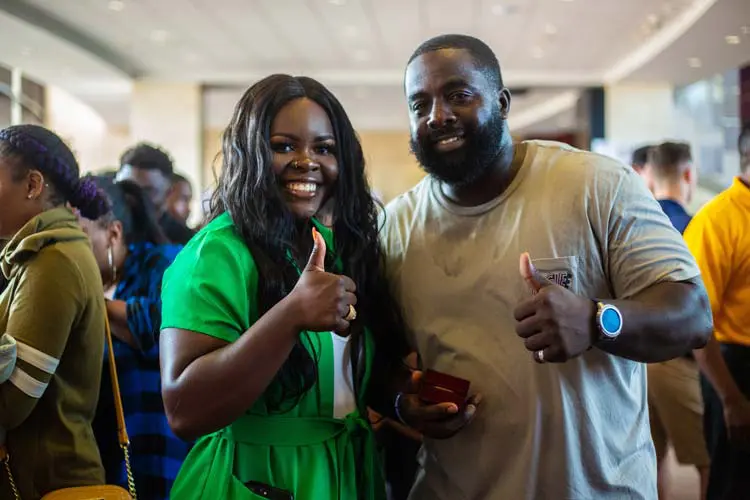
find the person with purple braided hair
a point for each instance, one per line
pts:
(53, 307)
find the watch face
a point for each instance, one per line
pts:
(611, 321)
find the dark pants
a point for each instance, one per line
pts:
(730, 467)
(400, 461)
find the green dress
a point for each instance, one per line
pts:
(211, 288)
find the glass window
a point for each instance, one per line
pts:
(708, 118)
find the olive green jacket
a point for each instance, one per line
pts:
(54, 308)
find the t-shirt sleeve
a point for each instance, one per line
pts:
(643, 247)
(712, 250)
(211, 287)
(47, 303)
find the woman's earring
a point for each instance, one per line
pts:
(111, 260)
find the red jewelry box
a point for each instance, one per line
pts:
(437, 387)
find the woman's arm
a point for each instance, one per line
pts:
(207, 383)
(137, 319)
(117, 312)
(46, 304)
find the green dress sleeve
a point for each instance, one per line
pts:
(211, 287)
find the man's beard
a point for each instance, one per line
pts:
(464, 166)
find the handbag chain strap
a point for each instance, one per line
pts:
(6, 462)
(129, 471)
(122, 433)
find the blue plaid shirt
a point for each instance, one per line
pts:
(156, 453)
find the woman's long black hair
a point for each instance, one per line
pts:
(130, 205)
(249, 190)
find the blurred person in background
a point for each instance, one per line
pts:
(674, 393)
(674, 179)
(132, 254)
(640, 164)
(152, 169)
(719, 238)
(275, 325)
(744, 149)
(179, 198)
(54, 308)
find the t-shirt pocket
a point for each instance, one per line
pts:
(561, 271)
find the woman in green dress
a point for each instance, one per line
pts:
(276, 312)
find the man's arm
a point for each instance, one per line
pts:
(664, 321)
(711, 363)
(655, 280)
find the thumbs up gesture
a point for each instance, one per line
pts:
(554, 323)
(326, 300)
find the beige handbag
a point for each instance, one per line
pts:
(102, 492)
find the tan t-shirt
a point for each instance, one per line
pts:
(577, 430)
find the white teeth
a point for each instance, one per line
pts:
(449, 140)
(308, 187)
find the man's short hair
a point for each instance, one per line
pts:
(177, 178)
(744, 136)
(148, 157)
(744, 132)
(667, 159)
(480, 52)
(640, 156)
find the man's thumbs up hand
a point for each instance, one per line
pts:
(555, 323)
(530, 274)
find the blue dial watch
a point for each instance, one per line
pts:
(608, 321)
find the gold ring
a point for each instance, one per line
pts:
(351, 315)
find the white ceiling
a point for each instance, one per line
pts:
(217, 41)
(358, 47)
(51, 59)
(707, 42)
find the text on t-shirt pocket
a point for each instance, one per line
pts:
(561, 271)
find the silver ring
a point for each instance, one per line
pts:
(351, 315)
(539, 356)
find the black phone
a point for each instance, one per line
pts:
(268, 491)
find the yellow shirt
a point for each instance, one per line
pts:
(719, 237)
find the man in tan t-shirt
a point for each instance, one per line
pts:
(554, 344)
